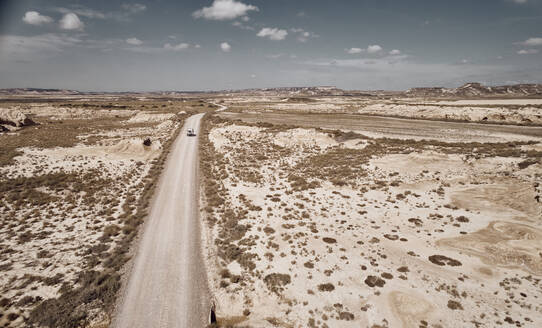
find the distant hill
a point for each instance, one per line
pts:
(37, 91)
(470, 90)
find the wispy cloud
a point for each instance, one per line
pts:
(32, 47)
(275, 56)
(134, 41)
(527, 52)
(224, 10)
(82, 11)
(532, 42)
(243, 26)
(302, 35)
(124, 14)
(168, 47)
(176, 47)
(354, 51)
(134, 8)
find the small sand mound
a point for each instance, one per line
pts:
(304, 138)
(415, 163)
(146, 117)
(11, 119)
(218, 136)
(504, 244)
(509, 197)
(65, 113)
(129, 149)
(134, 148)
(409, 308)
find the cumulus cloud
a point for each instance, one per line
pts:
(353, 51)
(176, 47)
(225, 46)
(532, 42)
(35, 18)
(272, 33)
(373, 49)
(527, 52)
(71, 21)
(134, 41)
(395, 52)
(224, 10)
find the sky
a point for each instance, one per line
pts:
(110, 45)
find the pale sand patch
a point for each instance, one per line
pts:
(308, 107)
(504, 244)
(475, 114)
(305, 138)
(416, 163)
(123, 150)
(219, 138)
(149, 117)
(535, 147)
(410, 308)
(58, 113)
(506, 198)
(433, 161)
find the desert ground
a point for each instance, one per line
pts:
(313, 211)
(335, 212)
(76, 180)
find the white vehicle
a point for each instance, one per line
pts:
(190, 132)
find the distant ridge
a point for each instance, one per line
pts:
(474, 89)
(37, 91)
(468, 90)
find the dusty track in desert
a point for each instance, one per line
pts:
(168, 286)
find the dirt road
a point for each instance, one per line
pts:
(168, 282)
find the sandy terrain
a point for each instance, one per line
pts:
(73, 190)
(312, 228)
(499, 111)
(389, 127)
(315, 212)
